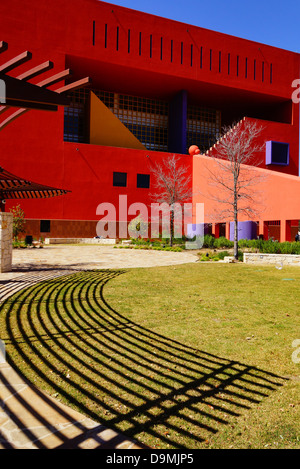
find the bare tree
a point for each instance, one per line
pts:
(234, 177)
(173, 186)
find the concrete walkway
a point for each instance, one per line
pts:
(29, 418)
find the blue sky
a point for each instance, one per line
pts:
(276, 22)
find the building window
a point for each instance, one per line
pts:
(94, 33)
(45, 226)
(119, 179)
(277, 153)
(143, 181)
(75, 121)
(146, 118)
(203, 127)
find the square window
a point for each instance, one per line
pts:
(119, 179)
(143, 181)
(277, 153)
(45, 226)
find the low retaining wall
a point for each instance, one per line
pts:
(103, 241)
(278, 259)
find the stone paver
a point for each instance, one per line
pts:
(29, 418)
(96, 257)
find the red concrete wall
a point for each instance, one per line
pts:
(87, 171)
(38, 28)
(272, 131)
(63, 32)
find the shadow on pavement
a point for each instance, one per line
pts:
(64, 335)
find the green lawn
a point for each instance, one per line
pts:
(190, 356)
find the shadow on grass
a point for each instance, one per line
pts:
(63, 334)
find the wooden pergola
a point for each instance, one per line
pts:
(14, 187)
(22, 96)
(18, 96)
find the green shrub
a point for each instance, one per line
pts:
(223, 254)
(18, 221)
(223, 242)
(245, 243)
(209, 241)
(270, 247)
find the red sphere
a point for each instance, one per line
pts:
(194, 150)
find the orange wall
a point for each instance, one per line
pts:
(277, 194)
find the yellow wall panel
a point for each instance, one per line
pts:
(106, 129)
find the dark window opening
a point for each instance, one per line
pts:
(128, 41)
(119, 179)
(203, 127)
(271, 73)
(75, 119)
(146, 118)
(140, 44)
(117, 45)
(143, 181)
(94, 32)
(277, 153)
(105, 38)
(45, 226)
(222, 230)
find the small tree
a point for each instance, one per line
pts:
(234, 176)
(18, 221)
(173, 186)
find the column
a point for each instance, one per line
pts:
(283, 230)
(6, 238)
(177, 123)
(227, 232)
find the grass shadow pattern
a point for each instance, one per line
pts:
(66, 339)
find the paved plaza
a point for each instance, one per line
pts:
(30, 419)
(94, 257)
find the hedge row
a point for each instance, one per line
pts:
(260, 245)
(148, 247)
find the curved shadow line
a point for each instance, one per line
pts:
(87, 289)
(133, 411)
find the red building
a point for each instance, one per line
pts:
(158, 86)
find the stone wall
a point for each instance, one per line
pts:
(278, 259)
(6, 237)
(104, 241)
